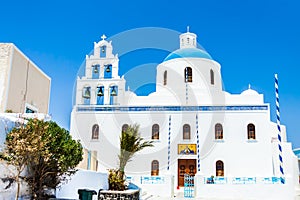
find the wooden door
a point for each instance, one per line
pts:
(185, 166)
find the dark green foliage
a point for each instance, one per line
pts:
(48, 152)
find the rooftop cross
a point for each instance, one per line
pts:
(103, 37)
(188, 29)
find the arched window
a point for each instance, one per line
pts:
(124, 127)
(86, 94)
(95, 132)
(212, 77)
(219, 168)
(218, 132)
(188, 74)
(186, 132)
(251, 131)
(155, 132)
(154, 168)
(165, 77)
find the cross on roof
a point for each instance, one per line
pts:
(103, 37)
(188, 28)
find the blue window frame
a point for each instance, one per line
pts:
(89, 160)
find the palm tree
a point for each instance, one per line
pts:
(130, 143)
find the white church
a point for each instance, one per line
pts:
(226, 141)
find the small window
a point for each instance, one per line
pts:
(154, 168)
(212, 77)
(186, 132)
(155, 132)
(218, 132)
(124, 127)
(188, 74)
(219, 168)
(95, 132)
(251, 132)
(165, 77)
(29, 110)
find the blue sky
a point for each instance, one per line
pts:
(251, 39)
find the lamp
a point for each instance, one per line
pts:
(87, 93)
(100, 91)
(113, 92)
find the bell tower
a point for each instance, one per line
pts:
(188, 40)
(101, 84)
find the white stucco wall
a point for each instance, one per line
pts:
(83, 179)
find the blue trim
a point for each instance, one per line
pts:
(168, 108)
(89, 160)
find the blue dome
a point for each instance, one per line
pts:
(297, 152)
(188, 53)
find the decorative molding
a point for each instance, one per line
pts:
(97, 108)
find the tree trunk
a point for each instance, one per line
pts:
(18, 186)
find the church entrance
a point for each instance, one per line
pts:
(185, 166)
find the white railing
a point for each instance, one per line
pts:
(241, 180)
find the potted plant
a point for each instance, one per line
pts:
(130, 143)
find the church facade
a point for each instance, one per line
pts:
(196, 127)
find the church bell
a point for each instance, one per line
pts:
(108, 69)
(100, 92)
(87, 93)
(96, 69)
(113, 92)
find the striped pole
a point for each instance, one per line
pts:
(198, 149)
(279, 130)
(169, 143)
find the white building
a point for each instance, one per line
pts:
(197, 127)
(24, 87)
(24, 94)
